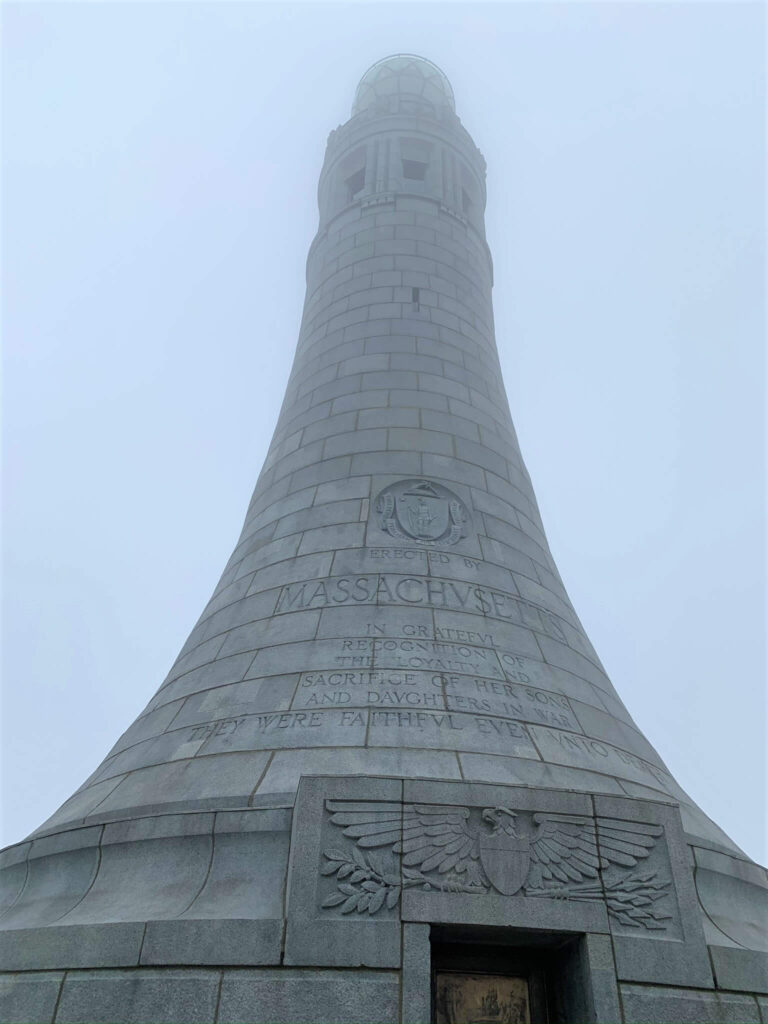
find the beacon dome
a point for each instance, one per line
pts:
(404, 74)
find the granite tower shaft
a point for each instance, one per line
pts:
(387, 750)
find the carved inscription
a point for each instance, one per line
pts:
(433, 668)
(417, 557)
(347, 726)
(493, 850)
(428, 648)
(508, 701)
(288, 720)
(398, 555)
(417, 709)
(434, 690)
(567, 748)
(224, 727)
(434, 655)
(418, 591)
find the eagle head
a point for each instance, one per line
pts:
(501, 819)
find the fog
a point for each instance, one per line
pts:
(160, 165)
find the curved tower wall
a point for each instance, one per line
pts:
(334, 642)
(391, 611)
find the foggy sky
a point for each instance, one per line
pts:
(159, 182)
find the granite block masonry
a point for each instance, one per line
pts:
(387, 760)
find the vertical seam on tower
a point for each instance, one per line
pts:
(178, 711)
(106, 796)
(261, 778)
(591, 798)
(402, 942)
(533, 742)
(208, 870)
(141, 944)
(712, 965)
(90, 884)
(370, 711)
(21, 891)
(218, 996)
(295, 690)
(59, 995)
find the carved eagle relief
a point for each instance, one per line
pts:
(538, 854)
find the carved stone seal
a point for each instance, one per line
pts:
(422, 512)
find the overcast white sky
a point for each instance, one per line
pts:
(160, 167)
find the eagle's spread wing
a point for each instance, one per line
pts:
(566, 848)
(427, 837)
(437, 837)
(625, 842)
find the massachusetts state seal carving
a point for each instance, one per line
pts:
(423, 512)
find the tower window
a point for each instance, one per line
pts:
(414, 170)
(466, 202)
(415, 297)
(355, 184)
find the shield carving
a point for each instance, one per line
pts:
(422, 513)
(505, 860)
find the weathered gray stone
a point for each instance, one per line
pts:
(601, 983)
(287, 766)
(516, 771)
(161, 826)
(246, 877)
(221, 709)
(54, 885)
(424, 791)
(30, 997)
(581, 981)
(224, 941)
(150, 724)
(308, 996)
(155, 878)
(134, 997)
(12, 856)
(316, 935)
(203, 677)
(741, 970)
(13, 878)
(645, 1004)
(227, 779)
(416, 988)
(734, 897)
(254, 820)
(659, 956)
(511, 912)
(70, 946)
(83, 803)
(174, 745)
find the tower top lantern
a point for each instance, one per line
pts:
(403, 74)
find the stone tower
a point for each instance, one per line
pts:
(387, 778)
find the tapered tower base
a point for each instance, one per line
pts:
(311, 913)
